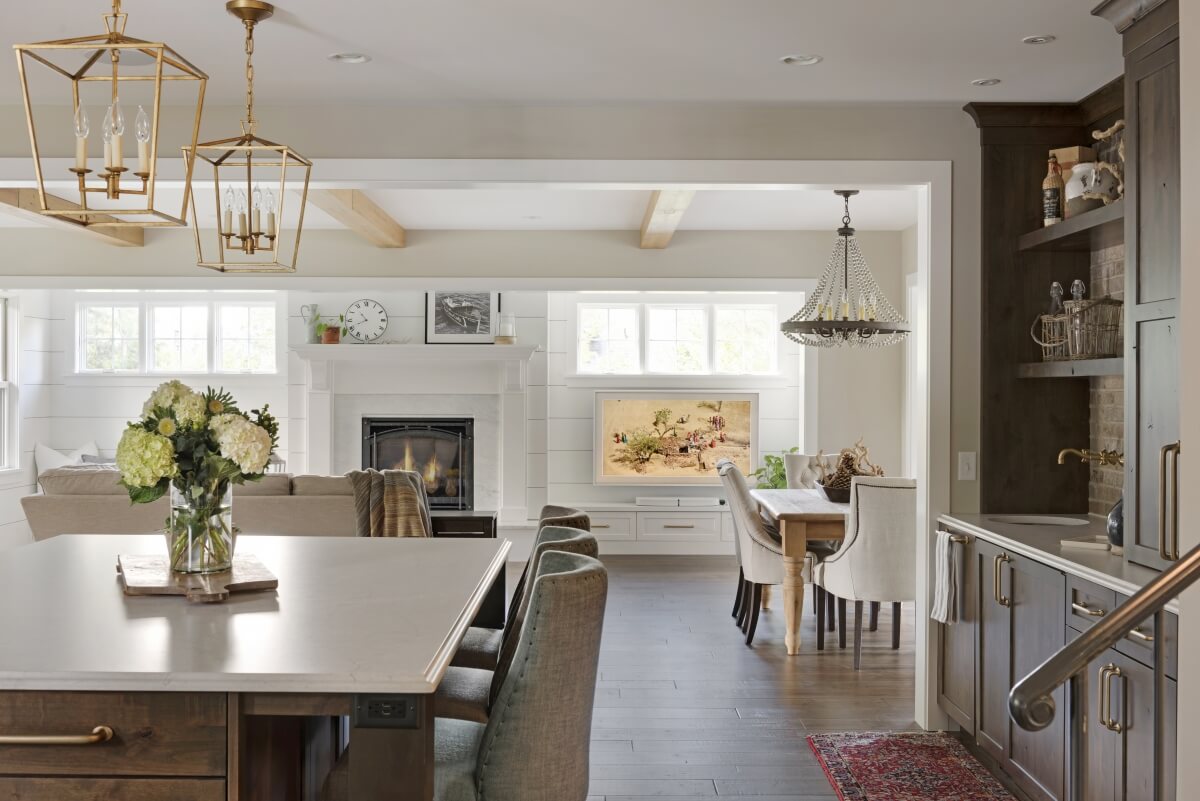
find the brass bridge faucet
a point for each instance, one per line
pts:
(1085, 455)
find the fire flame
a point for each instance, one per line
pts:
(432, 469)
(408, 457)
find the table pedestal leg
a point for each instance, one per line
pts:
(794, 547)
(766, 594)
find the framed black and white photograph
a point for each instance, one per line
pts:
(459, 317)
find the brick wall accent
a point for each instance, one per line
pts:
(1107, 396)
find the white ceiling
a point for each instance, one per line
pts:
(550, 51)
(595, 209)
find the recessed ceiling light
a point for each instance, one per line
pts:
(349, 58)
(985, 81)
(801, 60)
(1043, 39)
(532, 217)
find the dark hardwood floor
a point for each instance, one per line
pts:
(684, 710)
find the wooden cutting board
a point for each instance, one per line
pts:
(150, 575)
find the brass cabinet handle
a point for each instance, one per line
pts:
(679, 525)
(1084, 609)
(1175, 503)
(1102, 695)
(1138, 634)
(601, 525)
(1113, 672)
(1165, 551)
(100, 734)
(960, 539)
(997, 567)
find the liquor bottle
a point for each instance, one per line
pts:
(1052, 193)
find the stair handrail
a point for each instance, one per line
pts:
(1030, 703)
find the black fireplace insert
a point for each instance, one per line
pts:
(441, 449)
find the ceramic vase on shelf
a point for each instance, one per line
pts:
(200, 534)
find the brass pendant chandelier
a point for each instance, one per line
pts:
(848, 308)
(121, 72)
(250, 176)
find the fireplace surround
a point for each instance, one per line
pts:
(440, 449)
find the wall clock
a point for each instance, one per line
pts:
(366, 320)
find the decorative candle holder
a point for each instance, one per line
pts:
(506, 329)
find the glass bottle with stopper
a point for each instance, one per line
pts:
(1056, 298)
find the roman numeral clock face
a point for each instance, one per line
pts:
(366, 320)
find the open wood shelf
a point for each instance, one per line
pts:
(1091, 230)
(1072, 369)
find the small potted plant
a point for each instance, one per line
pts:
(331, 334)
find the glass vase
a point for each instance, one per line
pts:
(200, 533)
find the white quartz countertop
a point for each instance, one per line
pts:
(350, 615)
(1042, 543)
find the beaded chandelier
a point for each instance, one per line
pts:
(848, 308)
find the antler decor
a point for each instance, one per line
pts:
(851, 462)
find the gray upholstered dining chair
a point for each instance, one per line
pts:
(535, 747)
(480, 647)
(468, 693)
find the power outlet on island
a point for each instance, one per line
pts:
(385, 712)
(966, 466)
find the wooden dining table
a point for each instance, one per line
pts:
(801, 515)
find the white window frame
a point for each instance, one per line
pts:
(636, 308)
(147, 300)
(148, 323)
(81, 335)
(10, 427)
(717, 308)
(709, 343)
(642, 307)
(214, 334)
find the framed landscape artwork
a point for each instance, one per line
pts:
(457, 317)
(673, 438)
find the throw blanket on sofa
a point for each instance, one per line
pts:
(390, 503)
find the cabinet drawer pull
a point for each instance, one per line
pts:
(100, 734)
(679, 525)
(1175, 503)
(1084, 609)
(1168, 551)
(997, 576)
(601, 525)
(1110, 672)
(960, 539)
(1138, 634)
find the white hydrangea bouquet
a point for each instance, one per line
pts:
(196, 446)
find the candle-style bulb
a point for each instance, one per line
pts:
(269, 199)
(141, 125)
(229, 198)
(241, 201)
(257, 197)
(118, 117)
(106, 128)
(82, 125)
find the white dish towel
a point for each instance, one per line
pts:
(946, 580)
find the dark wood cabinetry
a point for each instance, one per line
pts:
(1152, 267)
(956, 674)
(1021, 624)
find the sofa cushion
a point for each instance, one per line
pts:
(322, 485)
(82, 479)
(271, 484)
(47, 458)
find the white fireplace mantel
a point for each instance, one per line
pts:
(486, 382)
(511, 362)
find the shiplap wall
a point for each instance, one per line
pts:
(406, 323)
(571, 400)
(30, 324)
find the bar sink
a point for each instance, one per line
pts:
(1038, 520)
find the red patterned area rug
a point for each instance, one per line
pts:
(903, 766)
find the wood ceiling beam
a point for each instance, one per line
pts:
(25, 203)
(360, 214)
(663, 215)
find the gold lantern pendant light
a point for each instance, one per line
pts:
(848, 309)
(250, 176)
(113, 195)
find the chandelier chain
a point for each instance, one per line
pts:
(250, 74)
